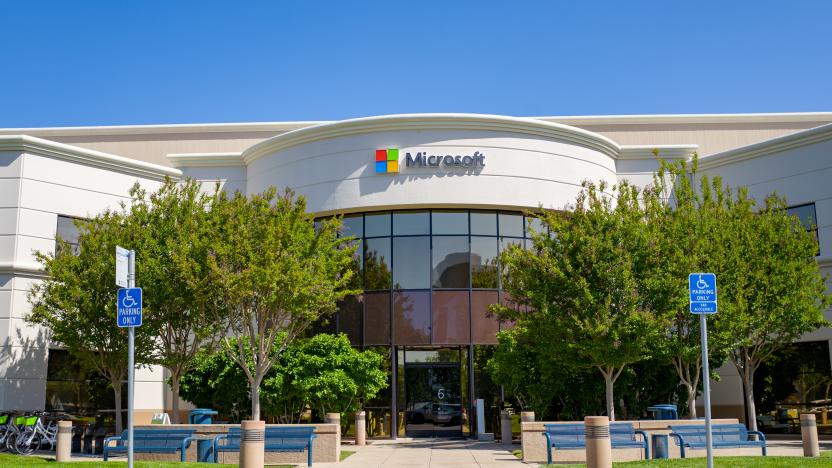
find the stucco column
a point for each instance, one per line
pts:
(505, 427)
(809, 433)
(598, 448)
(360, 428)
(63, 450)
(252, 440)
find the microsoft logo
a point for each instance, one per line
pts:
(387, 160)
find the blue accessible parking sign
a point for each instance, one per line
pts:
(129, 307)
(702, 293)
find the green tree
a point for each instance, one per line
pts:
(76, 301)
(278, 275)
(580, 288)
(183, 305)
(214, 380)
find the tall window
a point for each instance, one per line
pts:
(808, 217)
(68, 232)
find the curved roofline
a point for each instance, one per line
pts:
(395, 122)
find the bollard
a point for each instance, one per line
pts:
(252, 441)
(360, 428)
(63, 450)
(527, 416)
(809, 433)
(598, 448)
(823, 415)
(505, 427)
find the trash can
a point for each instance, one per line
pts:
(664, 412)
(77, 435)
(88, 436)
(205, 450)
(201, 416)
(660, 447)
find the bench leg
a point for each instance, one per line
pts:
(549, 455)
(764, 450)
(309, 456)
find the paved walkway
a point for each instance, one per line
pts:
(430, 453)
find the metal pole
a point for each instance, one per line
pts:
(131, 337)
(706, 382)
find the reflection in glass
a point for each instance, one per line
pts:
(349, 318)
(411, 265)
(511, 225)
(377, 318)
(450, 222)
(377, 263)
(535, 225)
(484, 262)
(377, 225)
(450, 262)
(484, 223)
(357, 264)
(412, 317)
(508, 301)
(352, 226)
(411, 223)
(450, 318)
(484, 324)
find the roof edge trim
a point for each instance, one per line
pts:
(231, 159)
(766, 147)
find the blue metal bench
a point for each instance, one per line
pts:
(572, 436)
(278, 439)
(152, 441)
(724, 436)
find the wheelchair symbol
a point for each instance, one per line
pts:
(128, 301)
(701, 284)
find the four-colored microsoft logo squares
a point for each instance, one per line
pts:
(387, 160)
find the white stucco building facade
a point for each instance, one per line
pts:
(49, 174)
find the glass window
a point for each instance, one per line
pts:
(511, 225)
(450, 318)
(410, 223)
(353, 226)
(357, 264)
(377, 263)
(349, 319)
(535, 225)
(483, 323)
(450, 262)
(68, 231)
(377, 318)
(484, 223)
(411, 262)
(808, 217)
(484, 262)
(377, 224)
(506, 300)
(412, 317)
(450, 222)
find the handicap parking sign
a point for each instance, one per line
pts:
(702, 288)
(129, 307)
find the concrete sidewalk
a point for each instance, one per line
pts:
(430, 453)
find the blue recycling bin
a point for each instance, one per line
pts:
(660, 446)
(664, 411)
(201, 416)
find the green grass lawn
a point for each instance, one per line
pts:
(10, 461)
(752, 462)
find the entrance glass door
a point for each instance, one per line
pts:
(433, 399)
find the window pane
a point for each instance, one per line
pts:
(377, 263)
(349, 319)
(411, 262)
(353, 226)
(484, 223)
(806, 213)
(377, 225)
(511, 225)
(450, 262)
(412, 317)
(357, 264)
(450, 318)
(484, 262)
(450, 222)
(505, 299)
(411, 223)
(484, 324)
(376, 318)
(534, 224)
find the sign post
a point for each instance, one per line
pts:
(129, 315)
(702, 288)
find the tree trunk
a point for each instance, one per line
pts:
(174, 389)
(691, 400)
(255, 401)
(117, 395)
(608, 380)
(748, 377)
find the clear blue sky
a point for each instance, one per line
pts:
(144, 62)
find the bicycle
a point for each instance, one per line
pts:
(7, 428)
(34, 435)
